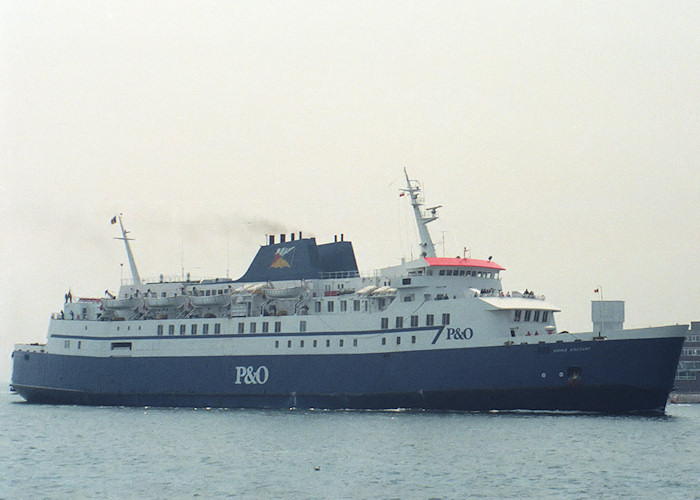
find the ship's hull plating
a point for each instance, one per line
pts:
(597, 376)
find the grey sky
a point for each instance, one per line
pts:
(563, 138)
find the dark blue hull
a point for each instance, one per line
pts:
(604, 376)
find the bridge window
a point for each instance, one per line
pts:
(516, 317)
(442, 272)
(545, 314)
(528, 313)
(406, 281)
(536, 316)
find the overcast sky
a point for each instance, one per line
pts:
(562, 138)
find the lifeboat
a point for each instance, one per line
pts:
(210, 300)
(284, 293)
(117, 304)
(165, 302)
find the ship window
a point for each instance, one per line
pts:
(193, 330)
(171, 329)
(385, 323)
(253, 327)
(182, 329)
(119, 345)
(413, 339)
(429, 320)
(330, 306)
(355, 305)
(315, 343)
(517, 314)
(399, 322)
(495, 276)
(265, 327)
(301, 343)
(328, 342)
(80, 343)
(408, 298)
(354, 343)
(461, 272)
(341, 342)
(442, 272)
(277, 344)
(343, 305)
(241, 327)
(545, 314)
(430, 272)
(289, 343)
(528, 313)
(278, 326)
(536, 316)
(160, 329)
(217, 328)
(398, 340)
(383, 340)
(66, 344)
(302, 326)
(414, 320)
(366, 305)
(446, 318)
(449, 272)
(317, 307)
(406, 281)
(208, 293)
(205, 329)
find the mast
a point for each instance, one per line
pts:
(427, 249)
(132, 263)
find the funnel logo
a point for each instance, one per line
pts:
(283, 258)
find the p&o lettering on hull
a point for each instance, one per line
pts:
(454, 334)
(249, 375)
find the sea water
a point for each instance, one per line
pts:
(51, 451)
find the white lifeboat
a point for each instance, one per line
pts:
(284, 293)
(166, 302)
(210, 300)
(118, 304)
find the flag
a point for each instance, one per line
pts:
(114, 220)
(402, 194)
(595, 291)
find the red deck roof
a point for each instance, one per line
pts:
(456, 261)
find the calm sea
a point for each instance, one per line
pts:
(77, 452)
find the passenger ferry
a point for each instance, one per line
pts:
(303, 328)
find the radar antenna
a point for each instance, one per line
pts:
(132, 263)
(427, 249)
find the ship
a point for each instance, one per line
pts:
(304, 329)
